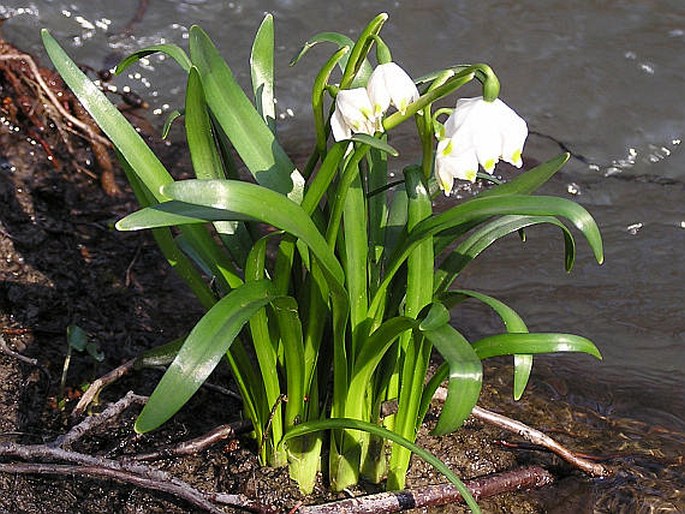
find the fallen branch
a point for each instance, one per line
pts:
(434, 495)
(99, 384)
(194, 446)
(50, 459)
(534, 436)
(92, 422)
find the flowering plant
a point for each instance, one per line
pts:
(346, 315)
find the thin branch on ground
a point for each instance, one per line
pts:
(435, 495)
(534, 436)
(4, 348)
(198, 444)
(175, 487)
(99, 384)
(54, 459)
(92, 422)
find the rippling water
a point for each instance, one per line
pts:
(605, 79)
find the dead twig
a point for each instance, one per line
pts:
(119, 372)
(54, 458)
(99, 384)
(92, 422)
(534, 436)
(175, 487)
(4, 348)
(198, 444)
(434, 495)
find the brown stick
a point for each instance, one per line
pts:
(99, 384)
(177, 488)
(91, 422)
(434, 495)
(198, 444)
(534, 436)
(594, 469)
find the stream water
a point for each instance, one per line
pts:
(605, 79)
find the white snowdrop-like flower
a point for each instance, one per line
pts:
(390, 85)
(353, 113)
(479, 131)
(361, 110)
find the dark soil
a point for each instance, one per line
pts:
(62, 263)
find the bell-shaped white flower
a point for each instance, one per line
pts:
(353, 113)
(492, 129)
(453, 162)
(390, 85)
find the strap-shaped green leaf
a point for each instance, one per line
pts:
(342, 41)
(465, 375)
(262, 71)
(480, 209)
(481, 238)
(204, 347)
(200, 201)
(237, 116)
(529, 181)
(523, 363)
(174, 51)
(509, 344)
(128, 142)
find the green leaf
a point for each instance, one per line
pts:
(375, 142)
(202, 350)
(508, 344)
(465, 377)
(480, 209)
(529, 181)
(484, 236)
(249, 135)
(290, 329)
(523, 363)
(174, 51)
(377, 344)
(355, 424)
(114, 125)
(262, 71)
(173, 116)
(203, 150)
(200, 201)
(77, 338)
(342, 41)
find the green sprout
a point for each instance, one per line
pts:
(349, 312)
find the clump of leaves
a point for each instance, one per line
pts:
(358, 295)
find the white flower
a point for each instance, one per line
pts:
(390, 85)
(451, 163)
(481, 132)
(353, 113)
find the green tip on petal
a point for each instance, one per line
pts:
(470, 175)
(516, 159)
(490, 165)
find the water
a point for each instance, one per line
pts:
(604, 78)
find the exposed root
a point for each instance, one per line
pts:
(37, 100)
